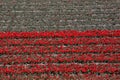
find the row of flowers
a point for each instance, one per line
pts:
(67, 33)
(61, 68)
(34, 58)
(53, 64)
(71, 41)
(60, 49)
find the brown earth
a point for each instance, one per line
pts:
(29, 15)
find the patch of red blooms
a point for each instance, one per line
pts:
(59, 49)
(63, 68)
(70, 54)
(34, 58)
(64, 33)
(60, 41)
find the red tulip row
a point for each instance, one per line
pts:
(71, 41)
(63, 68)
(67, 33)
(11, 59)
(60, 49)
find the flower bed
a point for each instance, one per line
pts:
(66, 54)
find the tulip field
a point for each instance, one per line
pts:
(60, 55)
